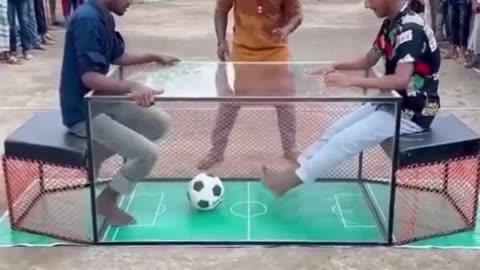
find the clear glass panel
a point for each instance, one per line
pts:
(348, 203)
(252, 79)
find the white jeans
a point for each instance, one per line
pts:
(474, 40)
(346, 138)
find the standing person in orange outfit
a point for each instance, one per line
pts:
(260, 35)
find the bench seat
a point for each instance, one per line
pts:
(449, 138)
(44, 138)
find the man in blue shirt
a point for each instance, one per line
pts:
(91, 45)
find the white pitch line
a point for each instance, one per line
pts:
(149, 194)
(340, 211)
(4, 216)
(160, 203)
(379, 208)
(249, 220)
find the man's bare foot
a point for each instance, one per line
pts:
(107, 207)
(280, 182)
(212, 158)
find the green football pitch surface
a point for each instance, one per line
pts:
(319, 212)
(333, 212)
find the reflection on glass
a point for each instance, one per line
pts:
(347, 204)
(211, 79)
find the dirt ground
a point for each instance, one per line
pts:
(331, 29)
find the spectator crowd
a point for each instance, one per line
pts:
(456, 24)
(25, 26)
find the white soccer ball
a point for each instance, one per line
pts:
(205, 192)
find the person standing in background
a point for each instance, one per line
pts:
(5, 34)
(458, 22)
(435, 14)
(32, 26)
(261, 33)
(438, 20)
(52, 11)
(69, 6)
(474, 40)
(41, 18)
(18, 9)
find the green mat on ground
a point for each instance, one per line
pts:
(163, 215)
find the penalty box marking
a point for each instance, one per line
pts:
(340, 211)
(160, 210)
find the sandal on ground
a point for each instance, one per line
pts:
(47, 36)
(46, 41)
(12, 60)
(27, 56)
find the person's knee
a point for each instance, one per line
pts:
(147, 154)
(345, 143)
(163, 124)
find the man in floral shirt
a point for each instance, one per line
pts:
(412, 62)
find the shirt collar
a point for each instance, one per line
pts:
(400, 14)
(101, 9)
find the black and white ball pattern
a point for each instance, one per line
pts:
(205, 192)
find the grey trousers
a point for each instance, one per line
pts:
(130, 131)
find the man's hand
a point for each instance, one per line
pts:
(223, 52)
(144, 96)
(321, 70)
(165, 60)
(280, 33)
(337, 79)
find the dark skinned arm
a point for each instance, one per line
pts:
(409, 46)
(100, 82)
(91, 60)
(294, 13)
(129, 59)
(398, 81)
(221, 18)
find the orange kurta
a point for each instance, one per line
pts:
(254, 41)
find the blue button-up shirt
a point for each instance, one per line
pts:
(91, 45)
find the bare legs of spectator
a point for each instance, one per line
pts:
(227, 114)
